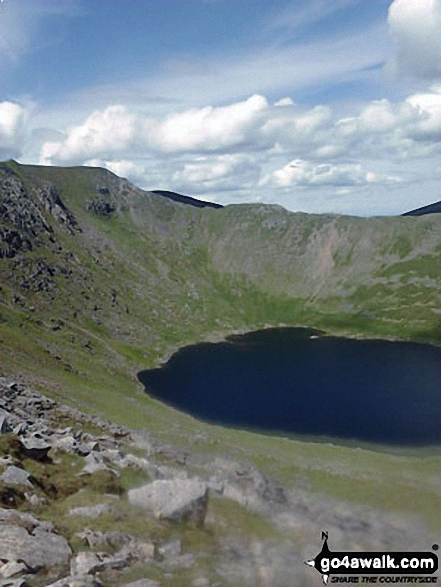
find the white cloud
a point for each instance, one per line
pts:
(304, 173)
(13, 119)
(243, 148)
(295, 17)
(415, 26)
(103, 132)
(208, 129)
(428, 106)
(217, 173)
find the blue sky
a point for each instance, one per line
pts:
(318, 105)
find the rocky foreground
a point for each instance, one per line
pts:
(88, 503)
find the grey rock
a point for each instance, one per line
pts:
(82, 581)
(16, 476)
(89, 563)
(35, 448)
(170, 549)
(94, 462)
(175, 500)
(85, 563)
(35, 500)
(92, 511)
(14, 583)
(5, 422)
(23, 519)
(142, 583)
(11, 569)
(44, 550)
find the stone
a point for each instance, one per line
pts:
(14, 583)
(16, 476)
(17, 518)
(83, 581)
(175, 500)
(91, 511)
(142, 583)
(170, 549)
(5, 422)
(44, 550)
(12, 568)
(85, 563)
(89, 563)
(94, 462)
(36, 448)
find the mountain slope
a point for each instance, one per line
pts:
(89, 260)
(99, 279)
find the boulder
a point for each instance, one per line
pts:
(44, 550)
(17, 518)
(15, 476)
(5, 422)
(89, 563)
(175, 500)
(35, 448)
(142, 583)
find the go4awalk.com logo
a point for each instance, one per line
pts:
(412, 567)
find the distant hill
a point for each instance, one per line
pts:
(430, 209)
(186, 199)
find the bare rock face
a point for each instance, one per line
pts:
(175, 500)
(44, 550)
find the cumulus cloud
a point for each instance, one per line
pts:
(103, 132)
(305, 173)
(208, 129)
(415, 27)
(219, 173)
(256, 148)
(12, 124)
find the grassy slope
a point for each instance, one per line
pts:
(157, 275)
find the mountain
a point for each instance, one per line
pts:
(186, 199)
(100, 279)
(430, 209)
(87, 256)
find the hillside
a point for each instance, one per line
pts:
(100, 279)
(96, 271)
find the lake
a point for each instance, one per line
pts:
(298, 382)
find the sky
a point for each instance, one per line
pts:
(315, 105)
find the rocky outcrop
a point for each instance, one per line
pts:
(38, 549)
(51, 200)
(101, 207)
(175, 500)
(26, 214)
